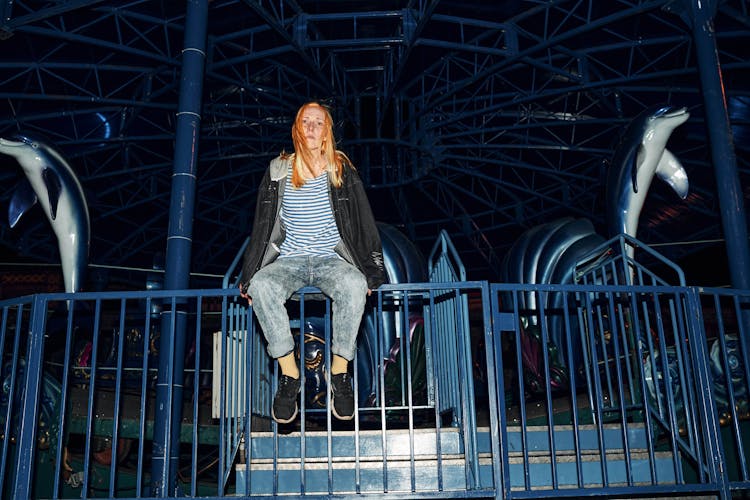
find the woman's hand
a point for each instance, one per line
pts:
(244, 295)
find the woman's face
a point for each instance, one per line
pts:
(313, 126)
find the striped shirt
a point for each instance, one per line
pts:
(308, 219)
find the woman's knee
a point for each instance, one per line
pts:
(348, 279)
(351, 291)
(355, 280)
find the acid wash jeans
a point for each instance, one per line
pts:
(270, 288)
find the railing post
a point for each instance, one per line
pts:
(494, 323)
(31, 394)
(704, 392)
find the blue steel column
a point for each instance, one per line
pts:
(168, 411)
(6, 7)
(699, 15)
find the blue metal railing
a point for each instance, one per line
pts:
(444, 266)
(722, 325)
(99, 352)
(662, 407)
(644, 385)
(614, 263)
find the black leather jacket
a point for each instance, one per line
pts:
(360, 241)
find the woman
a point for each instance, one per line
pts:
(313, 227)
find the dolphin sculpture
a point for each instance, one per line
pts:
(52, 182)
(641, 154)
(548, 253)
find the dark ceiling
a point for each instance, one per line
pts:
(479, 117)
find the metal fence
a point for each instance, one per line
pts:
(722, 323)
(81, 384)
(597, 389)
(620, 379)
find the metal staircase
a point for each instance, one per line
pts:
(584, 456)
(420, 460)
(430, 462)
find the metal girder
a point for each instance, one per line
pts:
(483, 117)
(29, 11)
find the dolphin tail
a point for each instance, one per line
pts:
(671, 171)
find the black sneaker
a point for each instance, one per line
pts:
(285, 402)
(342, 396)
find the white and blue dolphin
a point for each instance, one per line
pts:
(641, 154)
(54, 184)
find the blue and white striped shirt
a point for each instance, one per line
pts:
(308, 219)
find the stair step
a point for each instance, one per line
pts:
(425, 471)
(538, 438)
(398, 444)
(372, 478)
(352, 459)
(566, 467)
(343, 475)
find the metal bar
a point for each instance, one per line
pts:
(696, 336)
(642, 374)
(90, 399)
(521, 396)
(598, 410)
(686, 377)
(406, 340)
(63, 399)
(496, 388)
(744, 340)
(616, 335)
(431, 338)
(144, 392)
(8, 410)
(226, 329)
(727, 372)
(668, 385)
(357, 464)
(22, 487)
(250, 356)
(541, 305)
(118, 388)
(9, 23)
(382, 349)
(573, 394)
(196, 389)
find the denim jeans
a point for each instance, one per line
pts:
(272, 286)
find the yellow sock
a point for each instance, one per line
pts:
(339, 365)
(288, 365)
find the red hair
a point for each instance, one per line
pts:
(334, 159)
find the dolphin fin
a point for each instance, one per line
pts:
(54, 188)
(23, 198)
(671, 171)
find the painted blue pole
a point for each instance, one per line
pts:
(32, 384)
(168, 411)
(699, 15)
